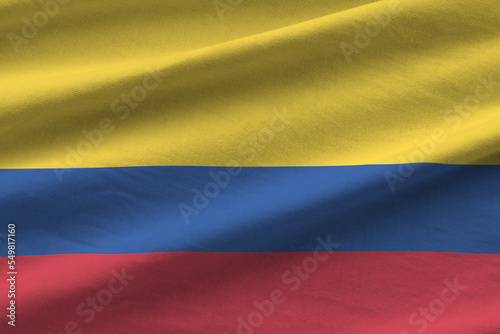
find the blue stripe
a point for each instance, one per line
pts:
(440, 208)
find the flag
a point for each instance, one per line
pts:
(246, 167)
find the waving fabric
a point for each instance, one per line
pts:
(237, 166)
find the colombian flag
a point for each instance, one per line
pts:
(250, 167)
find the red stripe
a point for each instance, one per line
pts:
(350, 292)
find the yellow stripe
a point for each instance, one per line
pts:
(265, 87)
